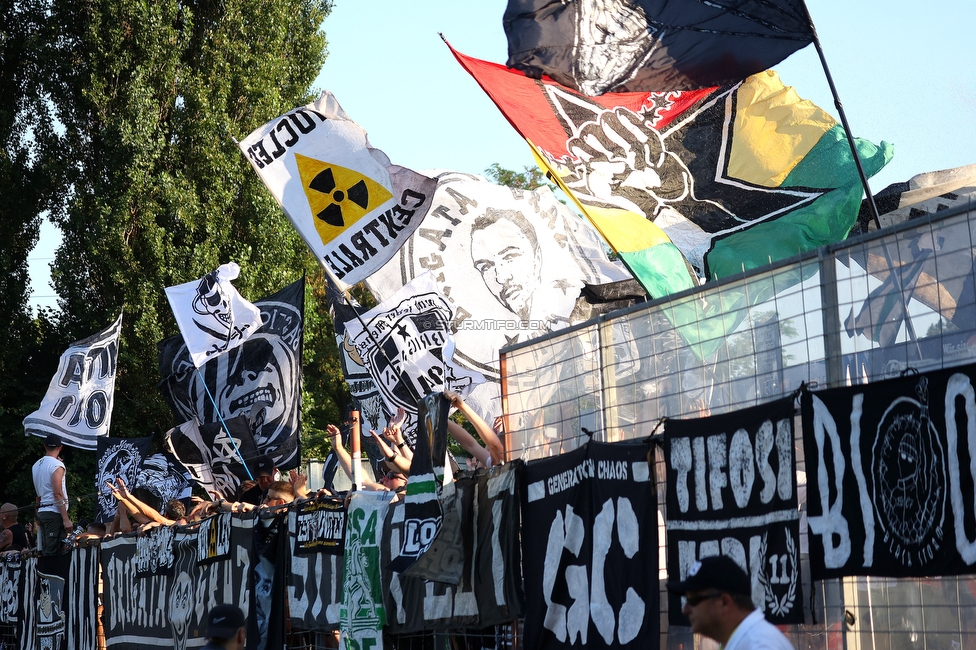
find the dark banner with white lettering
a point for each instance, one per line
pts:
(483, 552)
(11, 590)
(890, 476)
(317, 529)
(81, 601)
(590, 544)
(169, 611)
(732, 491)
(269, 577)
(45, 623)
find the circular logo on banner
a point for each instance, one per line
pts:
(909, 480)
(508, 261)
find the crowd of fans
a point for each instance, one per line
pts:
(268, 489)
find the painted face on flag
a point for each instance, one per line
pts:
(211, 300)
(505, 250)
(256, 387)
(122, 461)
(157, 476)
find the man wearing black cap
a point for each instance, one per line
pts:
(718, 602)
(52, 497)
(225, 628)
(264, 471)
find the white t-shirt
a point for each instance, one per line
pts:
(42, 472)
(756, 633)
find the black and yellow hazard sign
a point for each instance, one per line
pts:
(338, 196)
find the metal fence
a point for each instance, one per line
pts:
(856, 312)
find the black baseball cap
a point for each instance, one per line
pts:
(719, 572)
(263, 466)
(224, 621)
(52, 441)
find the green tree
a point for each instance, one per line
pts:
(528, 179)
(28, 185)
(126, 134)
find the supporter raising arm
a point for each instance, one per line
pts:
(141, 512)
(492, 453)
(392, 481)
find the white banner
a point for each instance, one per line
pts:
(510, 262)
(408, 347)
(352, 207)
(78, 402)
(212, 316)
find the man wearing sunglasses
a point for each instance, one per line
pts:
(718, 602)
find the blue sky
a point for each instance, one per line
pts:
(904, 72)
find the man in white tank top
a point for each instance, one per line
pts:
(52, 497)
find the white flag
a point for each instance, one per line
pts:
(212, 316)
(510, 262)
(78, 402)
(352, 207)
(408, 348)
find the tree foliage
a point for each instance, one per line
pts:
(528, 179)
(119, 118)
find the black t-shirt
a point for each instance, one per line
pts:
(20, 541)
(254, 496)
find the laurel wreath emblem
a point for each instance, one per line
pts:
(774, 605)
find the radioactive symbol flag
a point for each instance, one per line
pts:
(338, 197)
(350, 205)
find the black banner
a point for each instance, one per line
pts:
(268, 579)
(212, 453)
(116, 458)
(45, 622)
(170, 610)
(590, 548)
(891, 476)
(421, 504)
(11, 589)
(732, 491)
(489, 590)
(82, 599)
(260, 380)
(315, 580)
(154, 552)
(318, 525)
(165, 478)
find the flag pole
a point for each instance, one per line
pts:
(843, 119)
(860, 170)
(224, 424)
(330, 278)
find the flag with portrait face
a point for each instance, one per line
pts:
(117, 458)
(511, 263)
(260, 380)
